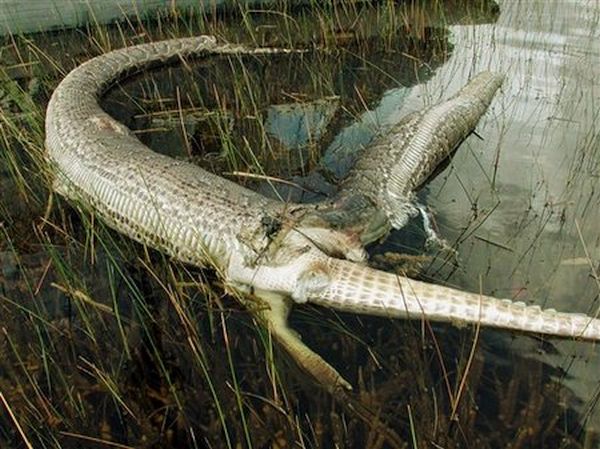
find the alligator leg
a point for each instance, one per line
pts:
(274, 315)
(433, 238)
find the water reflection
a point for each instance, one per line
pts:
(519, 204)
(528, 193)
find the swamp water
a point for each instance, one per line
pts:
(103, 341)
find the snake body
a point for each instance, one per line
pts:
(173, 206)
(203, 219)
(378, 193)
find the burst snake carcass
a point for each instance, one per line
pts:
(317, 254)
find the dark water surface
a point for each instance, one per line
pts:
(102, 339)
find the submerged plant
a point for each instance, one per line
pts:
(107, 343)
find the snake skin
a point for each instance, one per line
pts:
(203, 219)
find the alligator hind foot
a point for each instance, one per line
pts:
(275, 317)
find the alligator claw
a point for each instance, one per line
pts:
(275, 317)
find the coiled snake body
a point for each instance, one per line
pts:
(203, 219)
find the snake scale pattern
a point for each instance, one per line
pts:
(318, 253)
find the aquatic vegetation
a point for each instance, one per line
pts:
(104, 342)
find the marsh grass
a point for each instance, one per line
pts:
(105, 343)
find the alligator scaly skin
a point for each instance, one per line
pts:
(203, 219)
